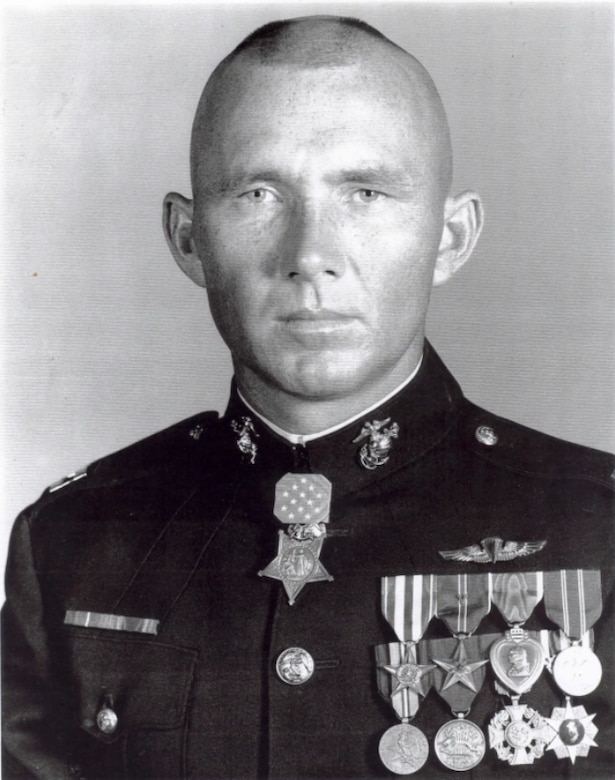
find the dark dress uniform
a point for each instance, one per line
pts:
(176, 528)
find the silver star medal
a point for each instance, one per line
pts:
(302, 502)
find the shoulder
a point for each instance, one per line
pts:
(166, 452)
(516, 448)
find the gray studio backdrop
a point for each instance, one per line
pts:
(105, 341)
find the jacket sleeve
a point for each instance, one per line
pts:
(33, 713)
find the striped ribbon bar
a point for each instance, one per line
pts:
(516, 594)
(111, 622)
(573, 599)
(462, 601)
(408, 604)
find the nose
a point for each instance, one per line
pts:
(312, 244)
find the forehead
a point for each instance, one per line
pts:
(293, 108)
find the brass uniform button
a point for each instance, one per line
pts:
(486, 435)
(106, 720)
(294, 666)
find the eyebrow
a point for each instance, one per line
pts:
(370, 174)
(373, 175)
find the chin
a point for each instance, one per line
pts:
(324, 379)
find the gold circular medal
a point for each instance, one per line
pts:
(460, 745)
(403, 749)
(577, 670)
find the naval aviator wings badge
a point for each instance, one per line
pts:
(302, 503)
(492, 549)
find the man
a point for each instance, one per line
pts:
(350, 516)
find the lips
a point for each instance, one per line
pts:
(317, 315)
(318, 325)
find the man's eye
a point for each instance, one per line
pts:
(369, 196)
(259, 195)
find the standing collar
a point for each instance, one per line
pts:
(424, 410)
(298, 438)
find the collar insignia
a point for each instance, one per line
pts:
(244, 428)
(493, 549)
(375, 451)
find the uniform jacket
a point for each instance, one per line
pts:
(176, 528)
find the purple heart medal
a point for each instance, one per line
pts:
(518, 734)
(462, 602)
(408, 604)
(573, 600)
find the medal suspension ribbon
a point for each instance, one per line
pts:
(462, 602)
(573, 600)
(408, 604)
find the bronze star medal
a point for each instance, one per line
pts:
(301, 502)
(459, 669)
(462, 602)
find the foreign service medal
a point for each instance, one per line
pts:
(408, 604)
(302, 502)
(573, 600)
(518, 734)
(462, 602)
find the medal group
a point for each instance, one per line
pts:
(456, 667)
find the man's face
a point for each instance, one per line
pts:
(318, 218)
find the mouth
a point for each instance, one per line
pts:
(317, 322)
(316, 316)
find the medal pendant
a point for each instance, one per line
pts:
(574, 731)
(403, 749)
(460, 745)
(296, 564)
(517, 660)
(519, 735)
(577, 670)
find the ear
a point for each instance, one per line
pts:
(463, 222)
(177, 226)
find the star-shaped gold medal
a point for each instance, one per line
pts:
(459, 669)
(574, 731)
(409, 674)
(296, 564)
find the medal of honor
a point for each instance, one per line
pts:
(408, 604)
(301, 502)
(462, 602)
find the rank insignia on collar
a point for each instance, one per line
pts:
(244, 428)
(492, 549)
(375, 451)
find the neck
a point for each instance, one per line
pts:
(307, 417)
